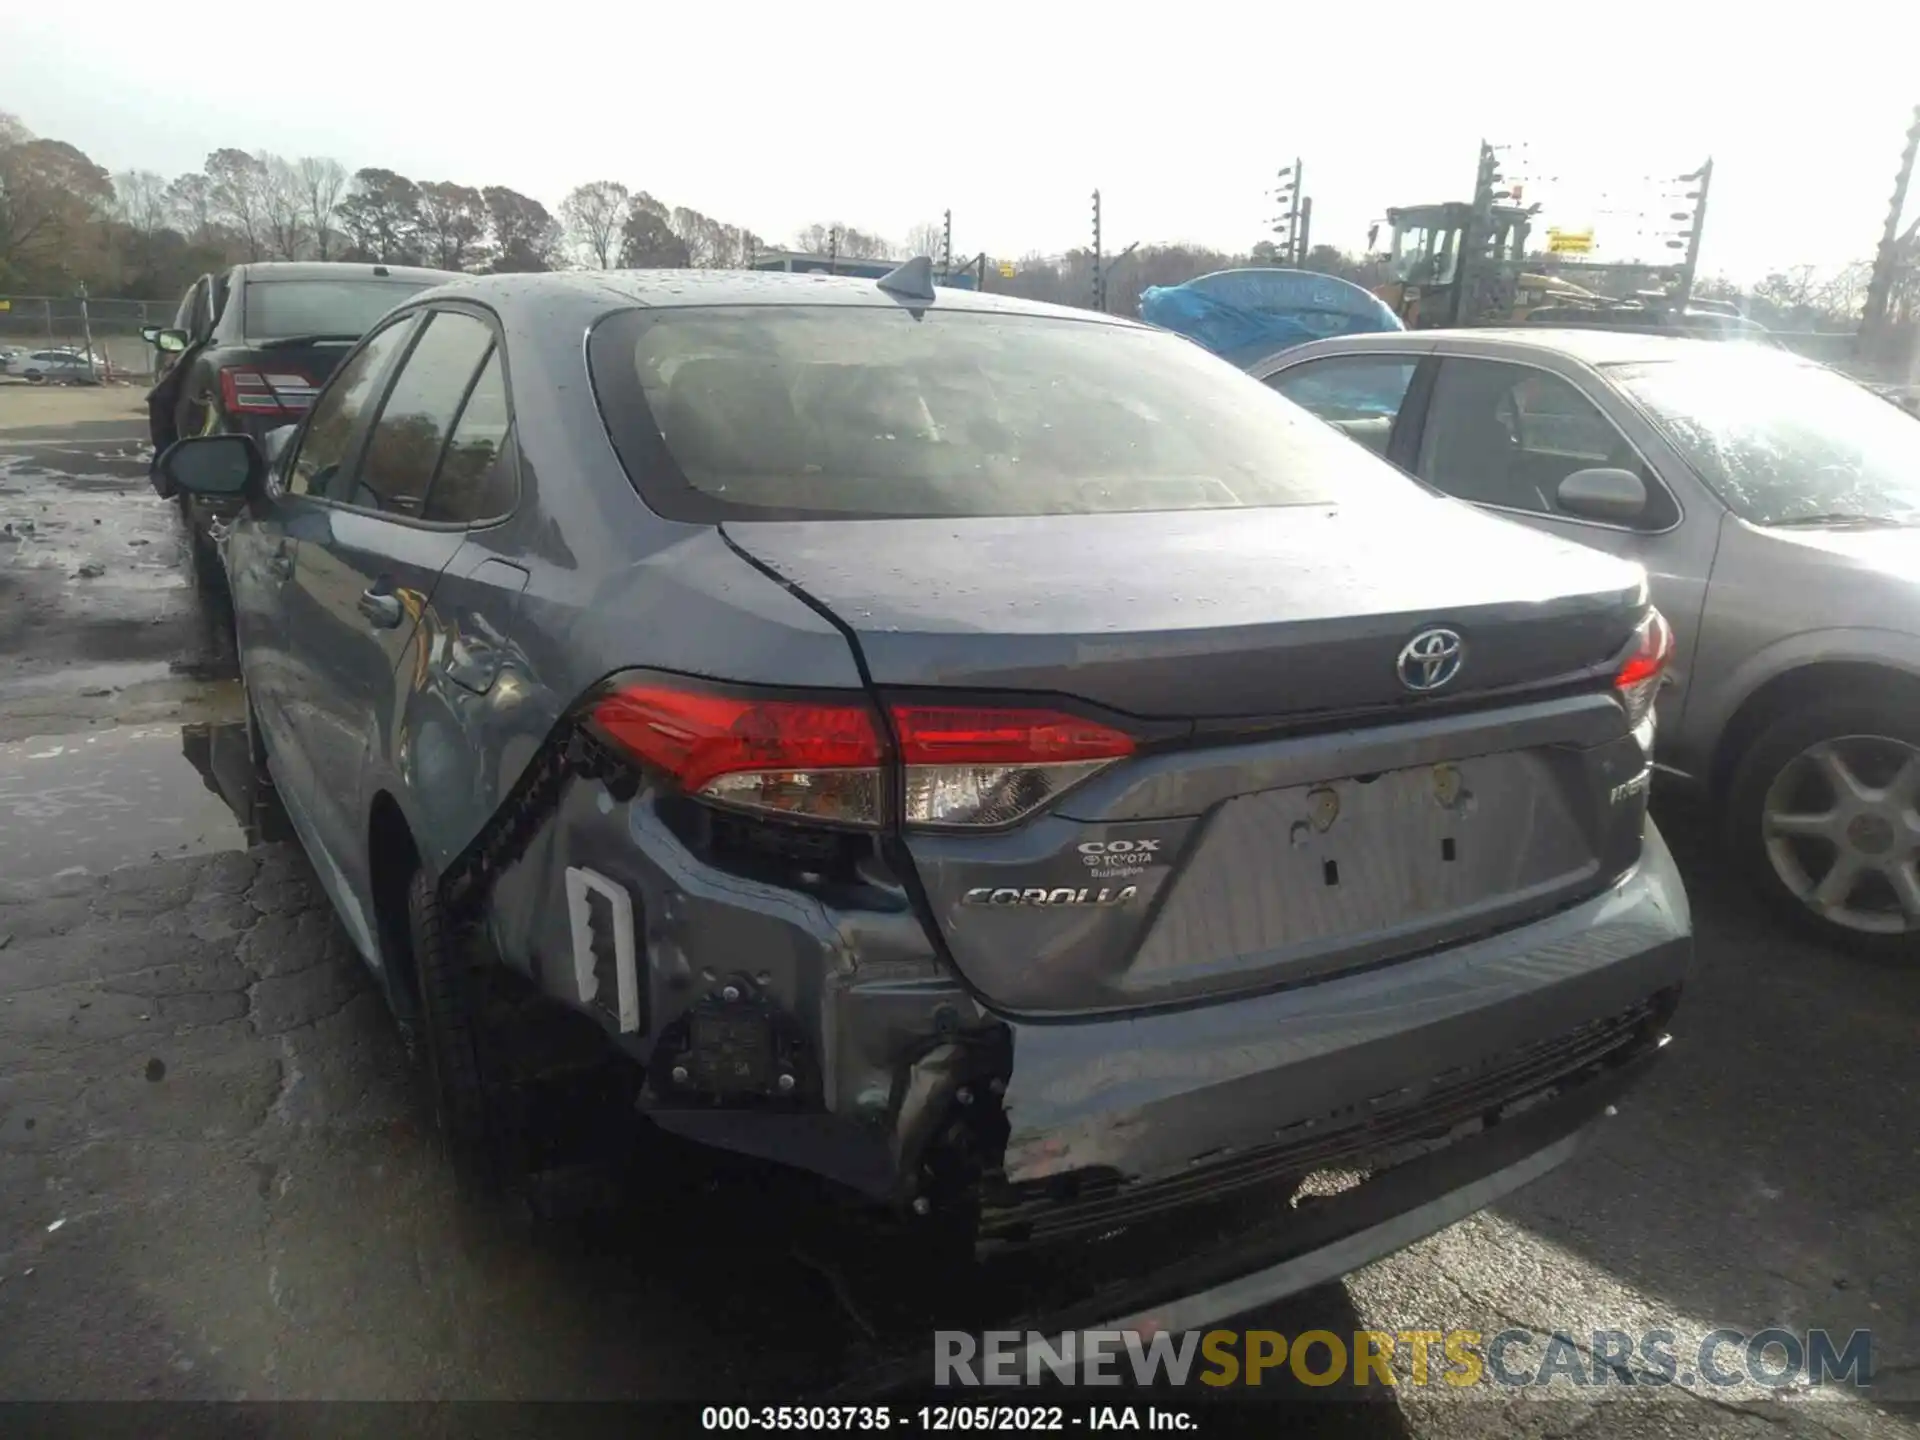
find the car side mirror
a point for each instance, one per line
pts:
(172, 341)
(150, 334)
(1603, 493)
(218, 466)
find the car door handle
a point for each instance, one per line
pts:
(380, 608)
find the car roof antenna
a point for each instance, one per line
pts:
(911, 280)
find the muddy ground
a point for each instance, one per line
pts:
(215, 1182)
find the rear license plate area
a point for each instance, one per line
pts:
(1371, 859)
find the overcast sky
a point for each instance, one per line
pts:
(883, 115)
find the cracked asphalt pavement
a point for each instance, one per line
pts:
(217, 1182)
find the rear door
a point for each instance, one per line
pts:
(265, 557)
(1503, 435)
(366, 578)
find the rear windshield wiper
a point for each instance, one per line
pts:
(281, 342)
(1864, 522)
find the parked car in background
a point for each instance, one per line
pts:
(1776, 506)
(59, 366)
(1697, 322)
(246, 353)
(995, 757)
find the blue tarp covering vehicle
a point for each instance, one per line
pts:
(1246, 315)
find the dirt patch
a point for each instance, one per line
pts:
(28, 407)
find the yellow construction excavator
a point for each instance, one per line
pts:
(1423, 269)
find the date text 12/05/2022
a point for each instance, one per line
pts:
(944, 1419)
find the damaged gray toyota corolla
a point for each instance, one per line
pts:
(996, 757)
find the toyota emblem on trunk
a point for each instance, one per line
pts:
(1431, 660)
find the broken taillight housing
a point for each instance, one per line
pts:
(958, 766)
(1638, 680)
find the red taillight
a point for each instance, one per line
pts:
(986, 767)
(265, 392)
(960, 766)
(1638, 680)
(810, 760)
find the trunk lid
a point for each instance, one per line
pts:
(1210, 613)
(1263, 833)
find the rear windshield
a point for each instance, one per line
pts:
(800, 412)
(279, 309)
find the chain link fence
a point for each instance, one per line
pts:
(29, 323)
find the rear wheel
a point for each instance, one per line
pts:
(1824, 815)
(453, 1029)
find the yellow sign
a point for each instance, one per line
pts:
(1570, 242)
(1006, 269)
(6, 304)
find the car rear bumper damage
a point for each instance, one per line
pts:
(803, 1016)
(1209, 1276)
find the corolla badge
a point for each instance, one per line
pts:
(1064, 895)
(1431, 660)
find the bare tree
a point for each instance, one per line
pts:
(704, 237)
(927, 238)
(322, 184)
(237, 196)
(140, 202)
(595, 216)
(283, 202)
(848, 241)
(190, 199)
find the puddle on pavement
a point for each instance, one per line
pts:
(86, 804)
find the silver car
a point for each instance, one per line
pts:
(68, 367)
(1776, 507)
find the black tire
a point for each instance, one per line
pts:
(453, 1029)
(1787, 737)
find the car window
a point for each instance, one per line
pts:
(336, 414)
(1779, 440)
(278, 309)
(1359, 395)
(404, 445)
(1507, 435)
(475, 481)
(816, 412)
